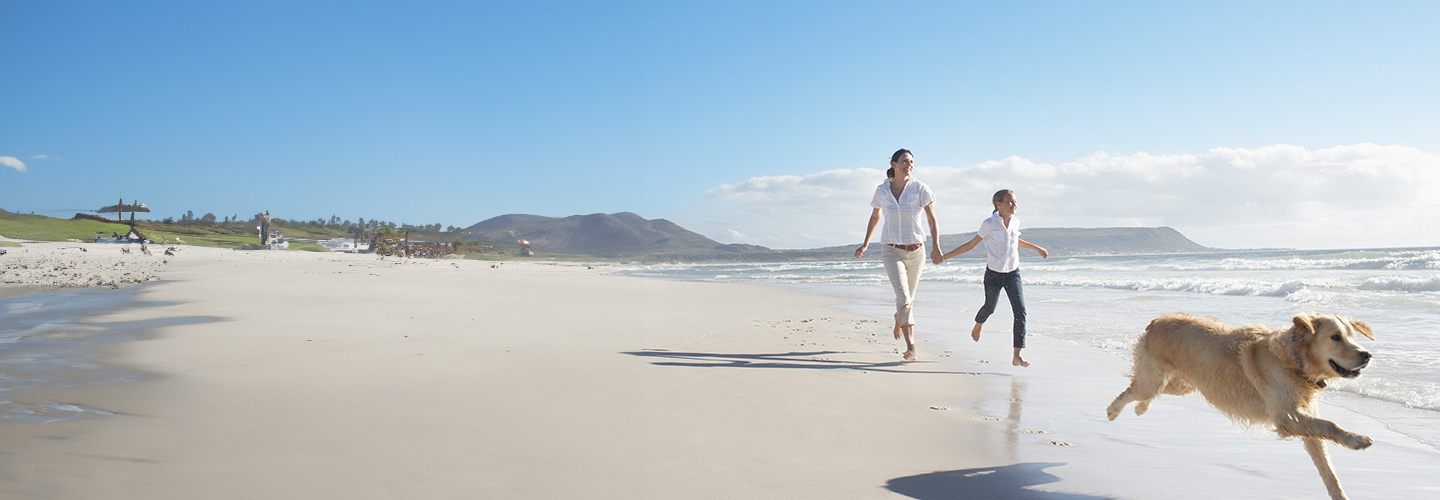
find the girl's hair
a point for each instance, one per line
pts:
(894, 158)
(999, 197)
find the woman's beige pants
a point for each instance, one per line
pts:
(904, 270)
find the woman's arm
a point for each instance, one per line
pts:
(934, 234)
(869, 231)
(968, 246)
(1043, 253)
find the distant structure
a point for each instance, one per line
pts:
(119, 209)
(525, 249)
(270, 237)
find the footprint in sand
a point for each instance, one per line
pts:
(1035, 431)
(941, 408)
(985, 418)
(1060, 444)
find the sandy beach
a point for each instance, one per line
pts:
(326, 375)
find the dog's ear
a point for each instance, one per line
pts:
(1363, 328)
(1303, 328)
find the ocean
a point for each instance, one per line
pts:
(1104, 302)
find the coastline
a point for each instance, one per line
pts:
(338, 375)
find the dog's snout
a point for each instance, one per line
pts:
(1365, 356)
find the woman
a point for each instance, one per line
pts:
(902, 199)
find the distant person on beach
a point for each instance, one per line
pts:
(902, 199)
(1001, 234)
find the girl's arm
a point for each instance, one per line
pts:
(968, 246)
(1043, 253)
(934, 234)
(869, 231)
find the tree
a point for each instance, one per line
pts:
(208, 219)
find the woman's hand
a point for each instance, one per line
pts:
(860, 252)
(936, 256)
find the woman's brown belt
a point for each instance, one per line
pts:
(907, 248)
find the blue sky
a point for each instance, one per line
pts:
(1290, 124)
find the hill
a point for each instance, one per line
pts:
(627, 235)
(1068, 241)
(602, 235)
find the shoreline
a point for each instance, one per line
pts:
(12, 290)
(346, 376)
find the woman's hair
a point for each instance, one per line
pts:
(999, 197)
(896, 157)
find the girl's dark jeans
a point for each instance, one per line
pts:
(1011, 283)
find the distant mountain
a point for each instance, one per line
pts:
(626, 235)
(602, 235)
(1069, 241)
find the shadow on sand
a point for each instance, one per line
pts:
(1006, 482)
(811, 360)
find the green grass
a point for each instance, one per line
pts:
(9, 244)
(42, 228)
(306, 246)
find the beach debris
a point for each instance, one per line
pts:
(170, 251)
(941, 408)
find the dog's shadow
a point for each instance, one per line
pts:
(1006, 482)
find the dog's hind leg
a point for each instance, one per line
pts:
(1316, 447)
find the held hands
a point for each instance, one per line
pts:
(936, 256)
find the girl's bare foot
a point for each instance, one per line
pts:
(909, 355)
(975, 332)
(897, 331)
(1019, 361)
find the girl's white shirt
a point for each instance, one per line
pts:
(905, 217)
(1002, 244)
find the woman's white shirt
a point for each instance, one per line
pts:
(905, 217)
(1002, 244)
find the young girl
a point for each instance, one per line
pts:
(902, 200)
(1001, 234)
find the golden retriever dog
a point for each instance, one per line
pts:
(1254, 374)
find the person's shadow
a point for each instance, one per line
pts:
(1006, 482)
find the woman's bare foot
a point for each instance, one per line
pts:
(897, 331)
(909, 355)
(975, 332)
(1019, 361)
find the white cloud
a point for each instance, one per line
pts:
(41, 157)
(1363, 195)
(12, 162)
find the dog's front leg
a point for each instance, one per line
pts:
(1294, 423)
(1316, 447)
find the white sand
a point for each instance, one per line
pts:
(343, 376)
(79, 264)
